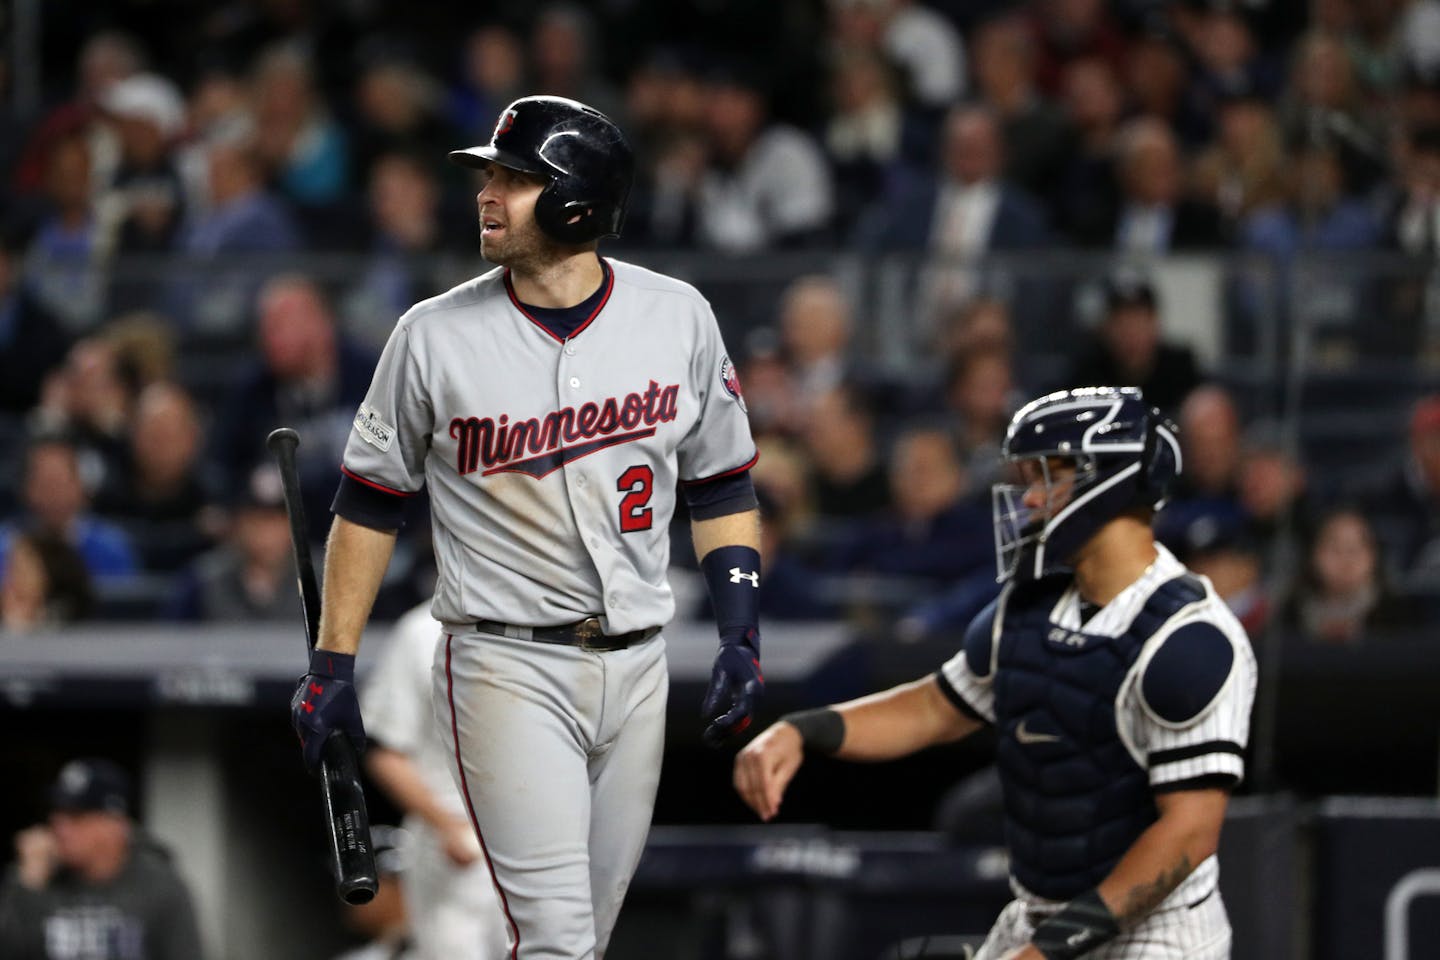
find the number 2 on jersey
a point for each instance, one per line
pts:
(635, 483)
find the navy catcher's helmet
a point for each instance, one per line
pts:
(1126, 454)
(581, 152)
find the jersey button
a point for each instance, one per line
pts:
(594, 544)
(580, 480)
(574, 383)
(569, 350)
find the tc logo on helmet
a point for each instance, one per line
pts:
(503, 125)
(730, 377)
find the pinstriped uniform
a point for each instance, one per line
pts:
(1191, 921)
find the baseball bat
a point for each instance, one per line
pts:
(352, 857)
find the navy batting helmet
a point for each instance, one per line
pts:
(1125, 452)
(581, 152)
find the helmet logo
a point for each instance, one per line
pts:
(503, 125)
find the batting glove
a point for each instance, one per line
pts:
(324, 702)
(736, 684)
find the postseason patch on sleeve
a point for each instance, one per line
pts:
(372, 429)
(730, 378)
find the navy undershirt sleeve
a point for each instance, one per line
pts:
(368, 506)
(721, 497)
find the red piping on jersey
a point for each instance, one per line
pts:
(469, 804)
(609, 288)
(728, 473)
(372, 484)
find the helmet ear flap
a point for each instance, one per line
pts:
(1160, 459)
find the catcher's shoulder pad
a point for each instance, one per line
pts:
(1186, 672)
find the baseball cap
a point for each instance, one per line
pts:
(146, 96)
(1129, 288)
(263, 488)
(91, 784)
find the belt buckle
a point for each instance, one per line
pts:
(588, 631)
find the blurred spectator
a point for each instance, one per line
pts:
(1205, 503)
(1413, 218)
(218, 110)
(869, 131)
(980, 393)
(1274, 494)
(251, 574)
(398, 107)
(1323, 216)
(1155, 217)
(65, 264)
(934, 534)
(1245, 172)
(55, 503)
(1035, 134)
(960, 213)
(922, 43)
(91, 882)
(303, 148)
(765, 184)
(1405, 505)
(979, 324)
(847, 476)
(161, 499)
(1323, 105)
(1129, 347)
(32, 342)
(44, 583)
(1068, 30)
(1155, 75)
(144, 202)
(1343, 595)
(1087, 191)
(492, 74)
(815, 326)
(107, 57)
(563, 60)
(771, 395)
(90, 400)
(792, 589)
(1229, 63)
(1233, 560)
(406, 230)
(242, 234)
(308, 377)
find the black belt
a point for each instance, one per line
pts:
(584, 634)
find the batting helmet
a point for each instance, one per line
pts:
(1126, 454)
(583, 154)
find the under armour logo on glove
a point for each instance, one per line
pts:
(325, 702)
(753, 576)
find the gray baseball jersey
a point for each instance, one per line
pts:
(552, 464)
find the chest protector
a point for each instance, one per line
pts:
(1075, 799)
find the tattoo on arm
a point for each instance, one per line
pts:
(1144, 897)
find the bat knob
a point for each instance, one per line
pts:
(282, 437)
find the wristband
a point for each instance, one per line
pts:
(822, 730)
(328, 663)
(1081, 925)
(732, 575)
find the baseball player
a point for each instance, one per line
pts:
(552, 406)
(1118, 682)
(449, 897)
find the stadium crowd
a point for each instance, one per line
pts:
(168, 208)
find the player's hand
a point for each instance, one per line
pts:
(766, 766)
(36, 855)
(457, 838)
(735, 687)
(325, 701)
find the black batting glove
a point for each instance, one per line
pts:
(324, 702)
(736, 685)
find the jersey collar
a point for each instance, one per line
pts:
(552, 321)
